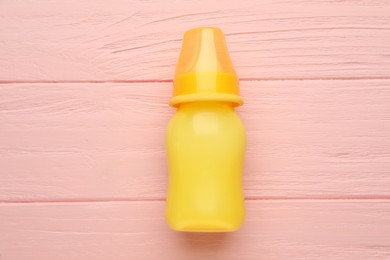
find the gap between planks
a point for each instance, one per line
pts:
(108, 200)
(168, 80)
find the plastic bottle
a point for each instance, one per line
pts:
(205, 138)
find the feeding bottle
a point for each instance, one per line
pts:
(205, 138)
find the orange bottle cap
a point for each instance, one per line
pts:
(204, 70)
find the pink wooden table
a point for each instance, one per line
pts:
(84, 87)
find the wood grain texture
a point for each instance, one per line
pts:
(273, 230)
(83, 93)
(91, 40)
(306, 139)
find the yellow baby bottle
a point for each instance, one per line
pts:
(205, 138)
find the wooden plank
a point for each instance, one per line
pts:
(306, 139)
(71, 40)
(137, 230)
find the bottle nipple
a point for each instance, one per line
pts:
(204, 70)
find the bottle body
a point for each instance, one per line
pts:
(206, 146)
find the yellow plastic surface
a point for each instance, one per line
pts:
(205, 138)
(204, 67)
(206, 145)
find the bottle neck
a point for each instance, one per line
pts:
(206, 105)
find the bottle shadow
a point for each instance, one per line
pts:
(206, 242)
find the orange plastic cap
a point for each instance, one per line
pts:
(204, 70)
